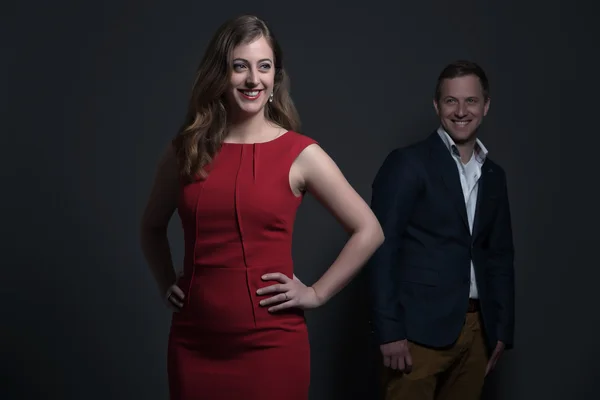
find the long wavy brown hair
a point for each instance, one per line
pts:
(205, 126)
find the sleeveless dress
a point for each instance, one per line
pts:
(238, 226)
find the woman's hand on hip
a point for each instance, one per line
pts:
(288, 293)
(174, 297)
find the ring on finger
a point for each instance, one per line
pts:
(286, 296)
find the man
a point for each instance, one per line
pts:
(442, 284)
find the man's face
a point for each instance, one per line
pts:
(461, 107)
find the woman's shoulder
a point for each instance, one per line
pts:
(291, 144)
(299, 139)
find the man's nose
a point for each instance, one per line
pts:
(461, 110)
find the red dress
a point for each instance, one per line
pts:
(238, 226)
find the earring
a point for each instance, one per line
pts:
(271, 98)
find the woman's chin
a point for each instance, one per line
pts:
(249, 110)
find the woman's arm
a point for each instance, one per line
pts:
(321, 177)
(160, 207)
(314, 171)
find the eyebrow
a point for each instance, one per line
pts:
(246, 61)
(456, 98)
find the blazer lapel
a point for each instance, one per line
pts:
(449, 171)
(483, 193)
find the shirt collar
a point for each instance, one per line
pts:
(480, 150)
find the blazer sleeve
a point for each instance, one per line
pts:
(395, 191)
(500, 267)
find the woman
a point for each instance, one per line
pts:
(236, 173)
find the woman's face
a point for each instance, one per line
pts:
(252, 77)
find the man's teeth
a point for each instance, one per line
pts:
(461, 123)
(251, 94)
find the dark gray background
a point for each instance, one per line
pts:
(95, 91)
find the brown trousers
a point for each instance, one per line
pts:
(454, 373)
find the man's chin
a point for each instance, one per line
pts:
(462, 137)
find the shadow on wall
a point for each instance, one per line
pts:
(341, 347)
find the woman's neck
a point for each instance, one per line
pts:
(250, 130)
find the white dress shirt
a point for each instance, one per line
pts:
(469, 180)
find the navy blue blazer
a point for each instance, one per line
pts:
(419, 279)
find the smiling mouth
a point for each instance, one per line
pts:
(461, 124)
(250, 94)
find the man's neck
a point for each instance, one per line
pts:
(466, 150)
